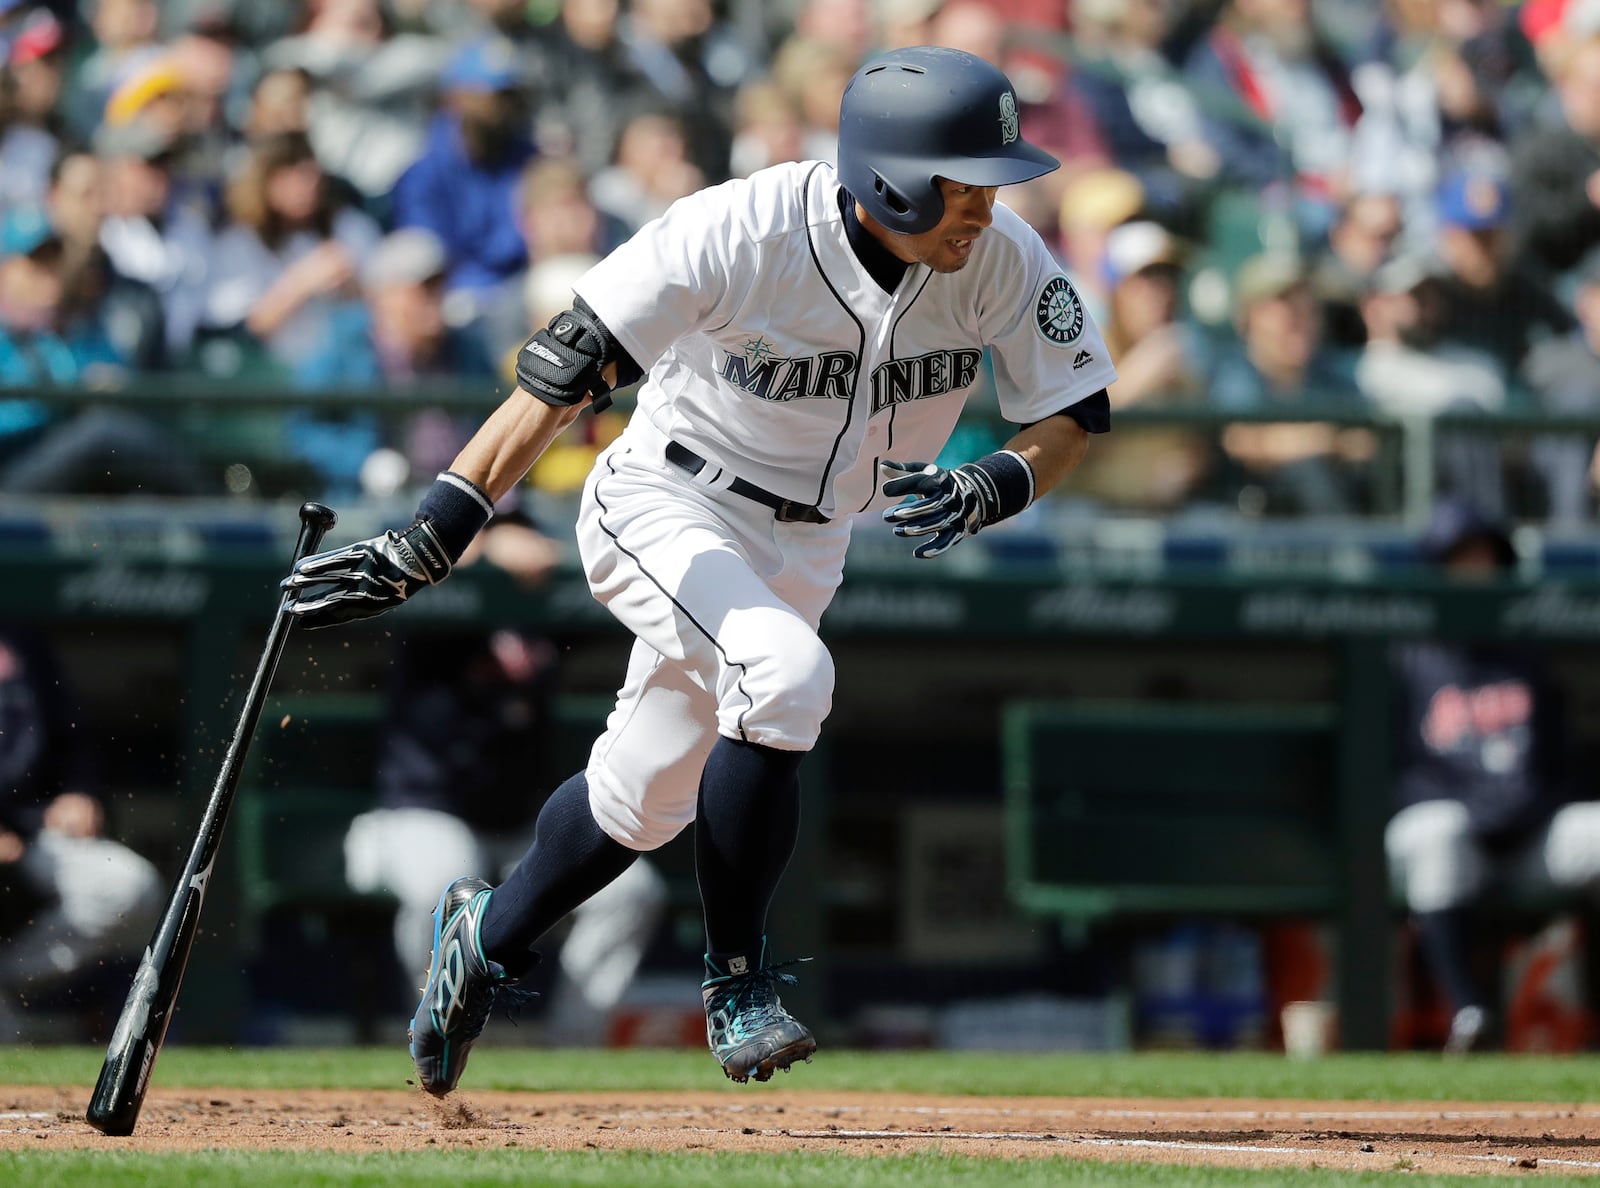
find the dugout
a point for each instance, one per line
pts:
(157, 640)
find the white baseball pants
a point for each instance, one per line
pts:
(723, 600)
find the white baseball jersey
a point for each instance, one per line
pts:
(772, 353)
(775, 356)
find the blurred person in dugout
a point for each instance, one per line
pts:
(1483, 780)
(70, 897)
(461, 750)
(1161, 362)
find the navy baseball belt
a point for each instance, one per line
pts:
(788, 511)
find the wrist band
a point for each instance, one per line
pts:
(457, 509)
(1011, 480)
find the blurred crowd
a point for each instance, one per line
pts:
(1350, 207)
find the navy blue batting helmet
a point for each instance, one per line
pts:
(911, 115)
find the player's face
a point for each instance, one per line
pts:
(947, 246)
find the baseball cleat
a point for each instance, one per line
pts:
(749, 1032)
(462, 988)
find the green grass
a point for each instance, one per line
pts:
(530, 1168)
(1352, 1077)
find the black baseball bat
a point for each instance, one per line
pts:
(142, 1026)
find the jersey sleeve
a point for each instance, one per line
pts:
(1048, 353)
(678, 274)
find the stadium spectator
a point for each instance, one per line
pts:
(1492, 300)
(398, 336)
(1159, 356)
(1161, 363)
(768, 129)
(463, 188)
(1483, 780)
(56, 330)
(848, 24)
(1147, 119)
(1405, 366)
(1362, 238)
(128, 311)
(205, 57)
(373, 90)
(1092, 205)
(905, 22)
(652, 171)
(291, 252)
(30, 122)
(557, 218)
(1277, 102)
(125, 34)
(41, 343)
(1556, 166)
(1281, 363)
(812, 77)
(695, 63)
(80, 897)
(1405, 369)
(153, 233)
(279, 102)
(1564, 374)
(153, 90)
(592, 85)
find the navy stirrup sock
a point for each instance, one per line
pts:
(1443, 936)
(745, 831)
(571, 858)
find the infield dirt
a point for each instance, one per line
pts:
(1473, 1138)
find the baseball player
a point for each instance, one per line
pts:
(801, 333)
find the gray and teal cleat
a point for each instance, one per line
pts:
(462, 988)
(749, 1032)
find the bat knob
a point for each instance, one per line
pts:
(317, 515)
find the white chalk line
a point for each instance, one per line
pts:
(1528, 1113)
(1149, 1144)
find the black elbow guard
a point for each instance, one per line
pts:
(562, 363)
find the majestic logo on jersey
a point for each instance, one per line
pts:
(767, 375)
(1008, 117)
(1058, 312)
(901, 380)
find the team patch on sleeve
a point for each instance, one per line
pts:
(1058, 312)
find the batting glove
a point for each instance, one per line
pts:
(366, 578)
(949, 504)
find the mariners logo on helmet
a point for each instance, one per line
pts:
(1008, 117)
(1058, 312)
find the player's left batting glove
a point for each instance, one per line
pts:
(368, 577)
(950, 505)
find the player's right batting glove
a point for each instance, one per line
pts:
(368, 577)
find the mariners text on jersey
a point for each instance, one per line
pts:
(772, 353)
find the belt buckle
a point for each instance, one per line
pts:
(792, 512)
